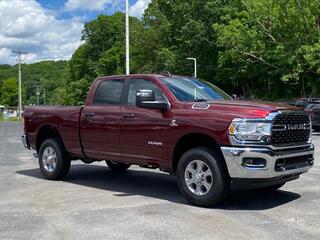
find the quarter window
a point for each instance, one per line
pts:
(109, 93)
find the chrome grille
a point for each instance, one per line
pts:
(291, 129)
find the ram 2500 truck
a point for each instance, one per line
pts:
(180, 125)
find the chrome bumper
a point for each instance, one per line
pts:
(234, 157)
(25, 142)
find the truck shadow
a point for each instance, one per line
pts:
(162, 186)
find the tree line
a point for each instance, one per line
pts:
(257, 49)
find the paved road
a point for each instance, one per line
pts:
(94, 203)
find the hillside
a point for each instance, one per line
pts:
(47, 76)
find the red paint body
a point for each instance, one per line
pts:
(109, 136)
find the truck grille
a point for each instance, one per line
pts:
(284, 164)
(289, 129)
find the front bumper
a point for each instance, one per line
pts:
(25, 141)
(235, 158)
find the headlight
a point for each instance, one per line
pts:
(248, 130)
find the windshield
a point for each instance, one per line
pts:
(191, 89)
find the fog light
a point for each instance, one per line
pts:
(254, 162)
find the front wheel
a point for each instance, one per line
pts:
(202, 177)
(53, 161)
(117, 167)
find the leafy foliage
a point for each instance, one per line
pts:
(44, 77)
(260, 49)
(9, 91)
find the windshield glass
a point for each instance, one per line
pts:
(191, 89)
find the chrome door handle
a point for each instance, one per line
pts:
(89, 114)
(128, 115)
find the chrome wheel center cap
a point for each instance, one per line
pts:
(198, 177)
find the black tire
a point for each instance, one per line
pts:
(273, 187)
(117, 167)
(62, 162)
(220, 179)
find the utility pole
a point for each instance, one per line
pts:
(19, 52)
(127, 38)
(195, 65)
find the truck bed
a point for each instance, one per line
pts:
(64, 118)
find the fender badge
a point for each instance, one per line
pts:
(200, 106)
(174, 123)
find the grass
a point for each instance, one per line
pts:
(12, 119)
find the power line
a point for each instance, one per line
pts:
(19, 52)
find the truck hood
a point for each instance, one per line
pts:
(250, 109)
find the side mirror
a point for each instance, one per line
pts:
(235, 97)
(145, 98)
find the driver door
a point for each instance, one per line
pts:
(143, 132)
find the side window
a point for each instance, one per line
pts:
(109, 93)
(138, 84)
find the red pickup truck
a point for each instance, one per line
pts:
(180, 125)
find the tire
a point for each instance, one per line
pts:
(117, 167)
(273, 187)
(53, 161)
(203, 194)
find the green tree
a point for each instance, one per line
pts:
(9, 91)
(103, 53)
(270, 48)
(45, 76)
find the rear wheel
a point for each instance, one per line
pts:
(117, 167)
(202, 177)
(53, 161)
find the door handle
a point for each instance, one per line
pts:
(128, 115)
(89, 114)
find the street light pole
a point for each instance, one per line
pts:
(19, 81)
(38, 96)
(127, 38)
(195, 65)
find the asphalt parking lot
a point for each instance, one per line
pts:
(94, 203)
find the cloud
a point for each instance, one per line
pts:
(26, 25)
(91, 5)
(138, 8)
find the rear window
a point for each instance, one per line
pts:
(109, 93)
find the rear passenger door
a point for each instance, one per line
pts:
(100, 122)
(143, 132)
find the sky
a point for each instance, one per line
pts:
(51, 29)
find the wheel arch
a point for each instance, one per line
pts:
(192, 140)
(45, 132)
